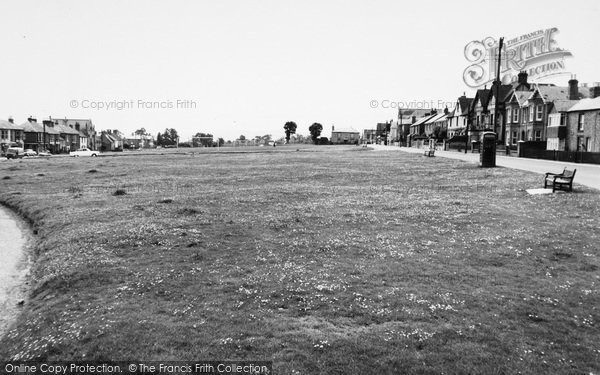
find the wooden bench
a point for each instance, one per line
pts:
(560, 181)
(429, 152)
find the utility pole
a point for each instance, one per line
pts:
(496, 125)
(44, 134)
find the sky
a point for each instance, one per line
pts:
(245, 67)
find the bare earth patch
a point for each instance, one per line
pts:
(323, 261)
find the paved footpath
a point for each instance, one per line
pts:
(587, 174)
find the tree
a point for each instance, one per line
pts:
(140, 132)
(202, 140)
(220, 142)
(174, 136)
(167, 138)
(242, 137)
(315, 131)
(439, 133)
(290, 128)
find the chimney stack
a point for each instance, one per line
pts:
(522, 78)
(11, 120)
(573, 89)
(595, 91)
(32, 119)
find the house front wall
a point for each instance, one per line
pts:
(344, 137)
(583, 134)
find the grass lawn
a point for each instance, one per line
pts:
(325, 260)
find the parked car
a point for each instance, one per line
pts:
(29, 152)
(44, 153)
(14, 152)
(84, 152)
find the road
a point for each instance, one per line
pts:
(587, 174)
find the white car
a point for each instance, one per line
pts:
(84, 152)
(29, 152)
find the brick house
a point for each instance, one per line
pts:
(499, 95)
(344, 136)
(439, 122)
(111, 140)
(418, 127)
(10, 134)
(400, 128)
(583, 125)
(459, 117)
(556, 131)
(40, 137)
(85, 128)
(480, 120)
(369, 135)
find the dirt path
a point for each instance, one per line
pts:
(14, 265)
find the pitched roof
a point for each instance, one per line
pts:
(345, 130)
(109, 136)
(483, 95)
(34, 127)
(64, 129)
(464, 104)
(436, 118)
(504, 94)
(552, 93)
(7, 125)
(423, 119)
(520, 97)
(563, 105)
(586, 105)
(413, 112)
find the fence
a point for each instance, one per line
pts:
(537, 150)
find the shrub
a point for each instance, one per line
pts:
(119, 192)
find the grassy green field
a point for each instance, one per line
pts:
(325, 260)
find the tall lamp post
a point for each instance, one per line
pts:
(497, 104)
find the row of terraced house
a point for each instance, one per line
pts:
(563, 118)
(62, 136)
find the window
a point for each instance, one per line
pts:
(580, 122)
(563, 119)
(531, 109)
(539, 112)
(509, 114)
(516, 115)
(4, 134)
(514, 137)
(538, 135)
